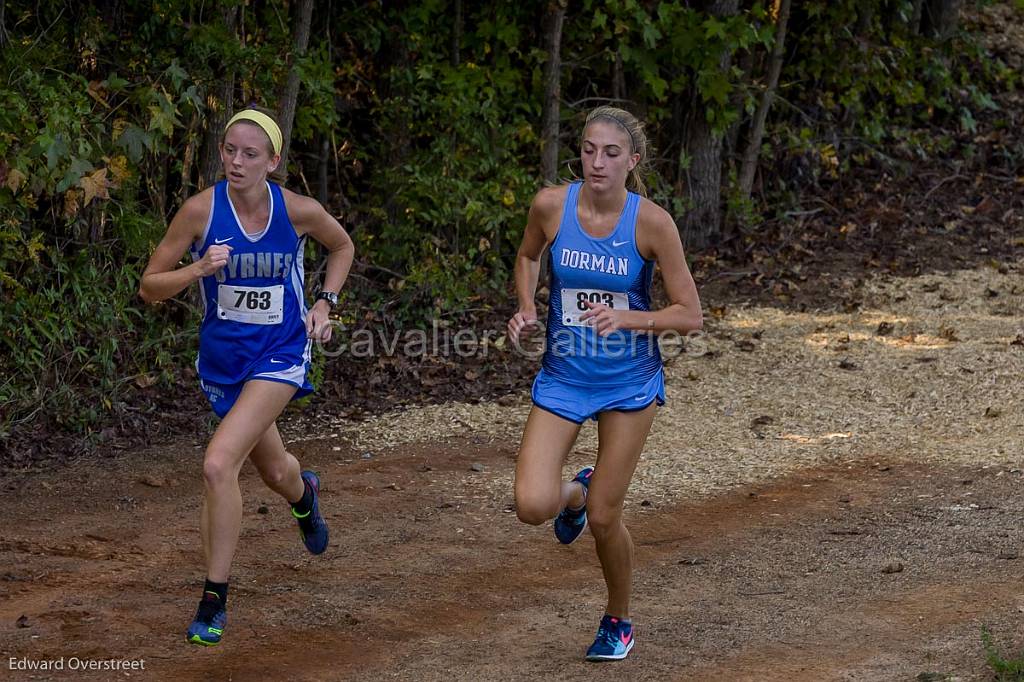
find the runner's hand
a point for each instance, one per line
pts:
(522, 324)
(603, 319)
(318, 322)
(215, 258)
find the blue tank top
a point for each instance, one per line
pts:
(609, 270)
(254, 306)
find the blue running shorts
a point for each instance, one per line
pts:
(578, 403)
(222, 397)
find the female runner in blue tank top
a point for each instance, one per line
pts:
(246, 237)
(601, 360)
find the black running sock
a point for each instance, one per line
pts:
(216, 590)
(304, 505)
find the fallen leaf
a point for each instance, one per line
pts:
(15, 178)
(119, 172)
(71, 203)
(97, 91)
(94, 185)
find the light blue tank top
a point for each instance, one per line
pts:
(609, 270)
(254, 306)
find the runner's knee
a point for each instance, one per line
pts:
(274, 474)
(534, 509)
(604, 520)
(218, 469)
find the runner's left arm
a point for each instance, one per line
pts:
(309, 217)
(658, 240)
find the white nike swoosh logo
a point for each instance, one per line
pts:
(639, 397)
(619, 243)
(276, 362)
(221, 241)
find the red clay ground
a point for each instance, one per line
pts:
(430, 577)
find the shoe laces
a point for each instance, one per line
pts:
(208, 610)
(313, 522)
(608, 633)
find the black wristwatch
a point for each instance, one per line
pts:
(329, 296)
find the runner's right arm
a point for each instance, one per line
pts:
(162, 279)
(527, 270)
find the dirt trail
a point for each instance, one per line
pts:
(437, 580)
(827, 496)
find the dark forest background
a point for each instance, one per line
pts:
(426, 127)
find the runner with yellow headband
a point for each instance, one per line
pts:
(247, 239)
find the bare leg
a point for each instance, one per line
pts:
(540, 491)
(277, 467)
(258, 406)
(621, 436)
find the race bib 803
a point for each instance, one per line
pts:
(574, 303)
(252, 305)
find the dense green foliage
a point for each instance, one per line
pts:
(425, 127)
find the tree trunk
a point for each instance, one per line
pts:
(457, 34)
(394, 60)
(941, 18)
(221, 107)
(188, 158)
(554, 17)
(915, 17)
(865, 13)
(321, 169)
(291, 89)
(113, 15)
(749, 166)
(3, 24)
(702, 225)
(618, 78)
(748, 64)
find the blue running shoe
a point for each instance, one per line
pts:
(312, 526)
(613, 642)
(208, 626)
(570, 523)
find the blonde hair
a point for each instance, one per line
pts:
(637, 140)
(278, 175)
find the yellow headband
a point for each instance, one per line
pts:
(263, 121)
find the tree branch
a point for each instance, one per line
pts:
(750, 156)
(291, 90)
(554, 17)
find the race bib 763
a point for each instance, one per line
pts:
(252, 305)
